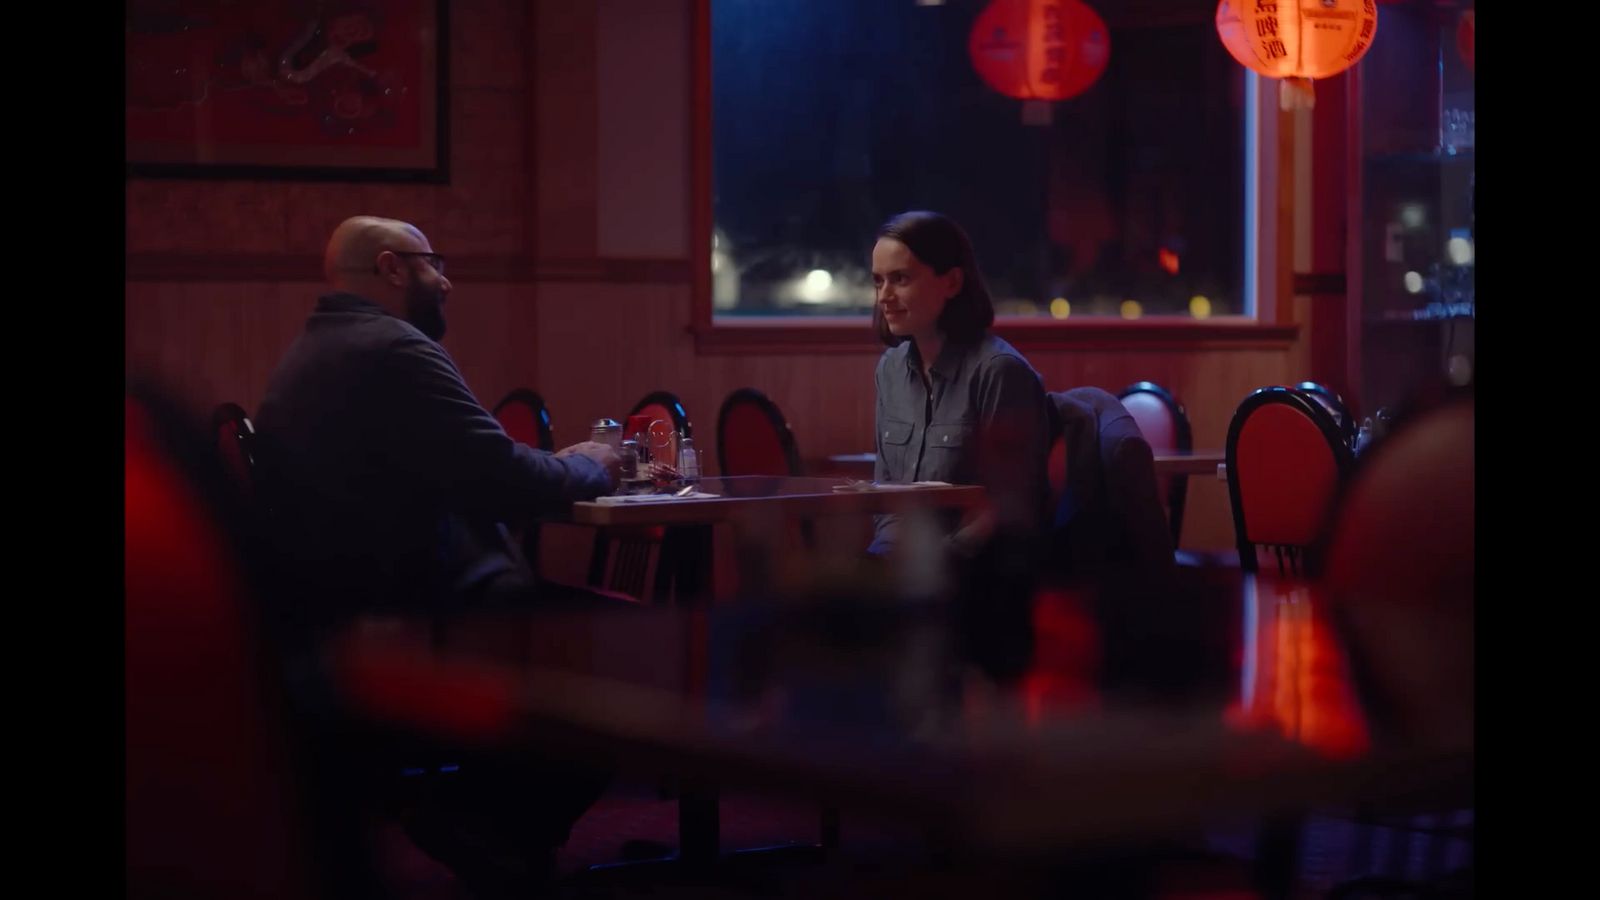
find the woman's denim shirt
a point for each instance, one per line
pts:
(980, 396)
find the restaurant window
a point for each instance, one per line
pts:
(1127, 201)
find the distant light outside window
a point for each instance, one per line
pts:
(830, 116)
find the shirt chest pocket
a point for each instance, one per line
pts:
(952, 436)
(895, 439)
(949, 445)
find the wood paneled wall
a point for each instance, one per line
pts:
(575, 288)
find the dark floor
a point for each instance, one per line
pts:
(878, 859)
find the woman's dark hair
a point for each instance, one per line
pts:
(942, 245)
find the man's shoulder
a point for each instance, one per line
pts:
(369, 341)
(350, 350)
(381, 330)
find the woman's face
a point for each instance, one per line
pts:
(909, 293)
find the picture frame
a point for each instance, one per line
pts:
(346, 90)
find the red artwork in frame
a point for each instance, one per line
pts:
(306, 89)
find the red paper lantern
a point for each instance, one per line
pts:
(1467, 37)
(1039, 49)
(1297, 40)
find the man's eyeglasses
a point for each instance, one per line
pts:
(432, 259)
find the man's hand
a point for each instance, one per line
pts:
(600, 453)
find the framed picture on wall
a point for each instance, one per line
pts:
(297, 89)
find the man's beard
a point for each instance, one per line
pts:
(425, 309)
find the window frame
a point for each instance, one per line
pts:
(1268, 225)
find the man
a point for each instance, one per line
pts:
(387, 478)
(387, 483)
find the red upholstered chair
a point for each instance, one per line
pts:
(212, 806)
(1333, 403)
(526, 419)
(1286, 464)
(524, 416)
(1165, 426)
(666, 407)
(753, 438)
(640, 562)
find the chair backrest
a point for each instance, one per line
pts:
(211, 807)
(1165, 425)
(526, 419)
(753, 438)
(1333, 403)
(524, 416)
(640, 561)
(235, 437)
(665, 406)
(1107, 515)
(1286, 462)
(1399, 575)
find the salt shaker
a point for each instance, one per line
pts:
(688, 460)
(608, 432)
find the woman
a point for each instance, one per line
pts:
(955, 403)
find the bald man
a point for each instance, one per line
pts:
(370, 257)
(387, 478)
(387, 483)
